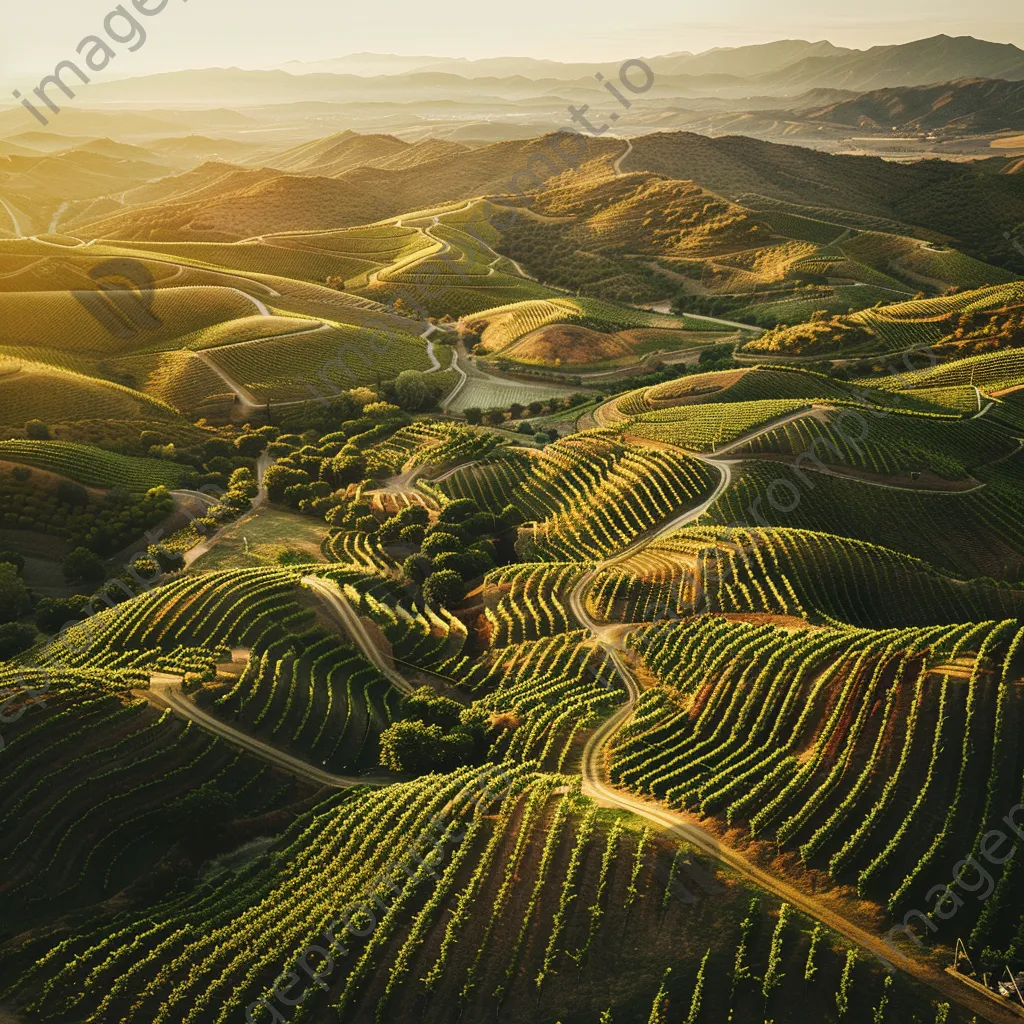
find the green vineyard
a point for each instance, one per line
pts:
(473, 571)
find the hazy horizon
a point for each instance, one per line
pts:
(249, 34)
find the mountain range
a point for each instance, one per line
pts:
(784, 68)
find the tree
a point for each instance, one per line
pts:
(168, 560)
(53, 613)
(345, 468)
(443, 588)
(515, 410)
(468, 564)
(37, 430)
(15, 637)
(495, 416)
(71, 493)
(474, 415)
(411, 390)
(481, 523)
(511, 516)
(252, 445)
(14, 595)
(390, 531)
(413, 514)
(536, 408)
(416, 568)
(278, 478)
(415, 747)
(412, 746)
(215, 447)
(431, 707)
(458, 511)
(82, 565)
(439, 542)
(13, 558)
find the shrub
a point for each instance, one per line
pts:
(15, 637)
(14, 595)
(411, 390)
(381, 411)
(416, 568)
(37, 430)
(440, 542)
(416, 748)
(474, 415)
(458, 511)
(412, 534)
(13, 558)
(443, 588)
(83, 565)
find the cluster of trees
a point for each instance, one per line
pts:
(103, 524)
(414, 391)
(434, 734)
(564, 255)
(312, 471)
(967, 334)
(213, 453)
(516, 411)
(820, 335)
(462, 544)
(15, 601)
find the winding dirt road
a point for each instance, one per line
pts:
(340, 608)
(595, 756)
(165, 690)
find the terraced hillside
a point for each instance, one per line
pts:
(415, 605)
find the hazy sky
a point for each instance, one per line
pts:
(262, 33)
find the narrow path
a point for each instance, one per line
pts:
(577, 596)
(435, 363)
(263, 311)
(52, 229)
(166, 690)
(150, 257)
(14, 218)
(16, 273)
(617, 166)
(321, 326)
(338, 605)
(463, 377)
(243, 394)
